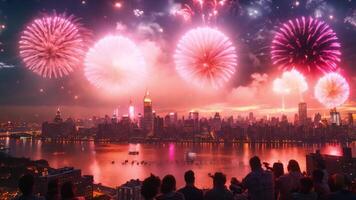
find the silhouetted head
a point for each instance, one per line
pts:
(150, 187)
(168, 184)
(293, 166)
(318, 175)
(219, 180)
(189, 177)
(306, 185)
(67, 190)
(255, 163)
(26, 184)
(278, 169)
(340, 181)
(52, 189)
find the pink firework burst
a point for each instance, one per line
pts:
(307, 44)
(115, 64)
(53, 46)
(205, 57)
(332, 90)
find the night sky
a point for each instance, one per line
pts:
(250, 24)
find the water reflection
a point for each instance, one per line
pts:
(107, 161)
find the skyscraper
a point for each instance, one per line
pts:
(131, 111)
(350, 119)
(302, 112)
(335, 117)
(147, 114)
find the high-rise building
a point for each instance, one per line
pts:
(131, 111)
(194, 116)
(57, 118)
(147, 114)
(58, 128)
(335, 117)
(296, 119)
(216, 123)
(350, 119)
(317, 119)
(302, 113)
(251, 117)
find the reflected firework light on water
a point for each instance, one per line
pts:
(205, 57)
(54, 45)
(115, 64)
(332, 90)
(305, 43)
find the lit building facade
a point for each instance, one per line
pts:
(147, 114)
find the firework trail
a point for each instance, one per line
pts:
(332, 90)
(53, 46)
(205, 57)
(115, 64)
(306, 44)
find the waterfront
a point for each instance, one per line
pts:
(97, 159)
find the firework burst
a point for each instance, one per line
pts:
(290, 81)
(206, 57)
(307, 44)
(53, 46)
(115, 64)
(332, 90)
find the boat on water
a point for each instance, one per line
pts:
(190, 156)
(133, 149)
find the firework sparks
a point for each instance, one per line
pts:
(115, 64)
(332, 90)
(184, 11)
(138, 12)
(5, 66)
(308, 44)
(53, 46)
(206, 57)
(208, 10)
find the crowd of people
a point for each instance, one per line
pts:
(271, 183)
(260, 184)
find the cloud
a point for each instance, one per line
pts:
(249, 94)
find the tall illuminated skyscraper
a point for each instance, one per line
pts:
(131, 111)
(147, 113)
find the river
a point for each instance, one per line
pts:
(106, 161)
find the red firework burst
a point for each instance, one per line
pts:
(53, 46)
(206, 57)
(307, 44)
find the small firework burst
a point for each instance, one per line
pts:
(332, 90)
